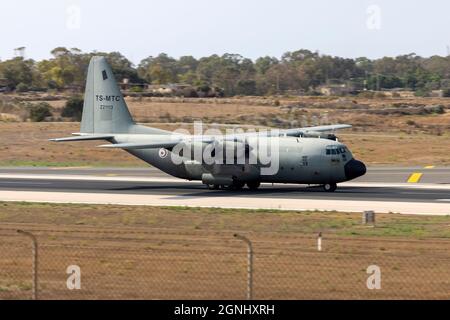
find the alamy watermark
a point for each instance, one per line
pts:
(374, 280)
(373, 21)
(73, 17)
(74, 280)
(236, 146)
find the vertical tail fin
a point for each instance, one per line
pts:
(104, 110)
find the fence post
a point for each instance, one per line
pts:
(35, 262)
(319, 242)
(249, 265)
(368, 217)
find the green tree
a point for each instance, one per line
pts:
(73, 108)
(246, 87)
(18, 70)
(123, 68)
(159, 70)
(68, 67)
(22, 87)
(40, 111)
(446, 93)
(232, 74)
(264, 63)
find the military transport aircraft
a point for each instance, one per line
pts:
(309, 155)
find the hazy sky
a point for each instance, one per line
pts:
(253, 28)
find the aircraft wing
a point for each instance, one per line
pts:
(299, 131)
(155, 145)
(167, 143)
(171, 141)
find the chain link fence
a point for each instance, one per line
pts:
(169, 264)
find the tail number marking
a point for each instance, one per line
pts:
(100, 97)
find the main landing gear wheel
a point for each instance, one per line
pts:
(330, 187)
(236, 186)
(213, 186)
(254, 185)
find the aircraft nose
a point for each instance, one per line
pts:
(354, 169)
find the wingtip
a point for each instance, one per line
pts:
(107, 146)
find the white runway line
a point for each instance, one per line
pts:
(169, 180)
(427, 186)
(85, 178)
(419, 208)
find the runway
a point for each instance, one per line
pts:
(438, 175)
(382, 190)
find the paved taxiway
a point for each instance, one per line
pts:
(383, 189)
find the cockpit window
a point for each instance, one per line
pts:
(334, 150)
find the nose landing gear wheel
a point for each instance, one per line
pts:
(330, 187)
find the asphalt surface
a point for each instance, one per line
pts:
(369, 187)
(438, 175)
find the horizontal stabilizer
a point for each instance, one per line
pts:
(83, 138)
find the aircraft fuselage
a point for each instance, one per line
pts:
(300, 160)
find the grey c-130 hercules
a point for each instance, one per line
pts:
(303, 156)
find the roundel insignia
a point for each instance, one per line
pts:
(163, 153)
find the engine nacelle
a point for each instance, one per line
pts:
(208, 178)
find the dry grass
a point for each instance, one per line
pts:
(146, 110)
(188, 253)
(218, 220)
(399, 148)
(26, 143)
(375, 138)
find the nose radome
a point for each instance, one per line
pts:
(354, 169)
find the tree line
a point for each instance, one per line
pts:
(233, 74)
